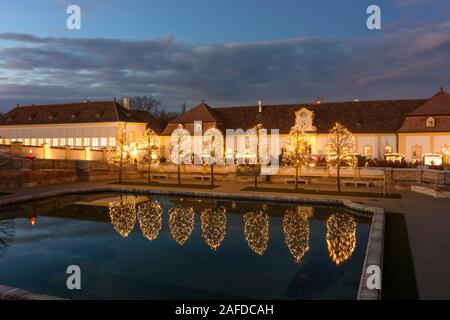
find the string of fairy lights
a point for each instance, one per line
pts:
(340, 227)
(214, 226)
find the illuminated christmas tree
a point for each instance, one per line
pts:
(339, 150)
(151, 148)
(296, 150)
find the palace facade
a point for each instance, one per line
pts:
(412, 128)
(76, 125)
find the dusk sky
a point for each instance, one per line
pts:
(227, 52)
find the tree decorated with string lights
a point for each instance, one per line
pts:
(339, 150)
(119, 156)
(296, 150)
(212, 150)
(180, 148)
(151, 150)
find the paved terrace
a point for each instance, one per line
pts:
(427, 219)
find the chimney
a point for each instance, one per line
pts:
(126, 103)
(260, 105)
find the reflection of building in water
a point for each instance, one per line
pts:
(296, 231)
(256, 231)
(341, 237)
(123, 216)
(214, 226)
(181, 223)
(150, 219)
(7, 228)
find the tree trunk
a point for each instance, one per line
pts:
(179, 175)
(120, 173)
(212, 175)
(339, 178)
(256, 180)
(296, 178)
(149, 173)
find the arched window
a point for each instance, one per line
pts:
(417, 151)
(367, 151)
(430, 122)
(387, 149)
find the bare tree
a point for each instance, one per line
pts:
(146, 103)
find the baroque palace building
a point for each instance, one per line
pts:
(412, 128)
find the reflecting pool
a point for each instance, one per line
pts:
(163, 247)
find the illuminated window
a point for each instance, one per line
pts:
(20, 140)
(27, 142)
(63, 142)
(417, 151)
(103, 142)
(55, 142)
(47, 141)
(95, 142)
(387, 149)
(7, 141)
(446, 149)
(70, 142)
(40, 142)
(112, 142)
(367, 151)
(33, 142)
(430, 122)
(78, 142)
(87, 142)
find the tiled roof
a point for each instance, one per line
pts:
(419, 124)
(83, 112)
(200, 112)
(384, 116)
(439, 105)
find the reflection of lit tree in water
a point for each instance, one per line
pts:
(296, 232)
(7, 228)
(256, 231)
(123, 216)
(214, 226)
(150, 219)
(341, 237)
(181, 223)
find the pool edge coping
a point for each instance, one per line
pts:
(375, 244)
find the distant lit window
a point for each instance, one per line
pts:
(20, 140)
(7, 141)
(103, 142)
(387, 149)
(367, 151)
(87, 142)
(55, 142)
(95, 142)
(26, 142)
(63, 142)
(430, 122)
(417, 151)
(78, 142)
(40, 142)
(112, 142)
(33, 142)
(446, 149)
(47, 141)
(70, 142)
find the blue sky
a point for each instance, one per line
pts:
(227, 52)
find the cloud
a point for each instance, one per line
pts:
(399, 63)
